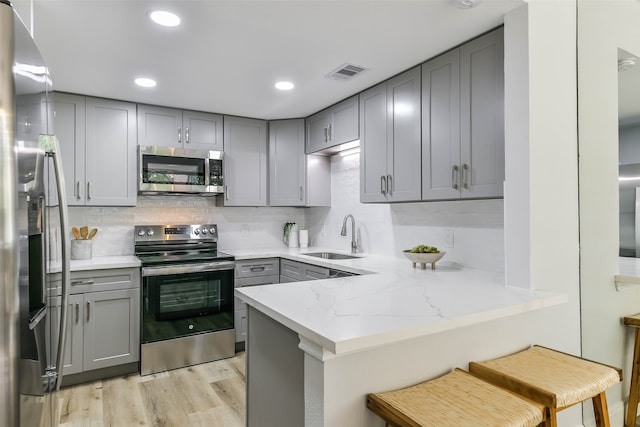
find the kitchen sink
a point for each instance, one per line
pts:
(330, 255)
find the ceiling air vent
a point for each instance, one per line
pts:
(346, 72)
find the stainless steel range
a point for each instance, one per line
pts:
(187, 296)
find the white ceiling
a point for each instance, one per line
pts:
(226, 55)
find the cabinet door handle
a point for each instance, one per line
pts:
(77, 312)
(454, 178)
(326, 132)
(89, 190)
(88, 311)
(465, 175)
(383, 184)
(226, 192)
(81, 282)
(78, 191)
(389, 185)
(179, 134)
(186, 135)
(256, 268)
(330, 132)
(301, 193)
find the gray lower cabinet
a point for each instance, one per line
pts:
(73, 351)
(245, 162)
(390, 140)
(172, 127)
(463, 121)
(333, 126)
(296, 178)
(98, 148)
(103, 326)
(252, 273)
(294, 271)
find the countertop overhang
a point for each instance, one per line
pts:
(99, 263)
(389, 302)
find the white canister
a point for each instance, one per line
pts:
(304, 238)
(293, 238)
(81, 249)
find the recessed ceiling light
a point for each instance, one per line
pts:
(467, 4)
(626, 64)
(145, 82)
(165, 18)
(284, 85)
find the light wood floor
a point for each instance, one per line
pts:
(211, 394)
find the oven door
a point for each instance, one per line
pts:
(183, 300)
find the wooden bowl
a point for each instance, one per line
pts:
(423, 258)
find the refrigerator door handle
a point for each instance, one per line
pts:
(66, 264)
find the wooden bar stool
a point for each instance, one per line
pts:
(634, 392)
(556, 380)
(456, 399)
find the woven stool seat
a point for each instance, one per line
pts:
(457, 399)
(554, 379)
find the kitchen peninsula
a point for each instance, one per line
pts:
(315, 348)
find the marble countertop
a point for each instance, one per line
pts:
(99, 263)
(390, 302)
(629, 273)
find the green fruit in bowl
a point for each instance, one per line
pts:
(424, 249)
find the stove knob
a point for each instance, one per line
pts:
(212, 230)
(141, 233)
(150, 233)
(196, 231)
(204, 231)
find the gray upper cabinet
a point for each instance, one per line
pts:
(295, 178)
(69, 125)
(98, 148)
(171, 127)
(390, 143)
(245, 164)
(463, 121)
(482, 116)
(334, 126)
(441, 127)
(287, 163)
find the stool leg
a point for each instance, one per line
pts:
(633, 393)
(600, 410)
(552, 418)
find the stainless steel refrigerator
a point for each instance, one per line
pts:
(629, 183)
(34, 238)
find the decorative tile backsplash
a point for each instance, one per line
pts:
(471, 232)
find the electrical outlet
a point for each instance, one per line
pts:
(448, 238)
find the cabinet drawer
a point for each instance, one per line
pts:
(255, 281)
(104, 280)
(257, 267)
(313, 272)
(292, 269)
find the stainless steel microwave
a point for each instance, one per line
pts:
(163, 170)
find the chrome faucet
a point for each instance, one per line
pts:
(343, 232)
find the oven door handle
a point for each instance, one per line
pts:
(187, 268)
